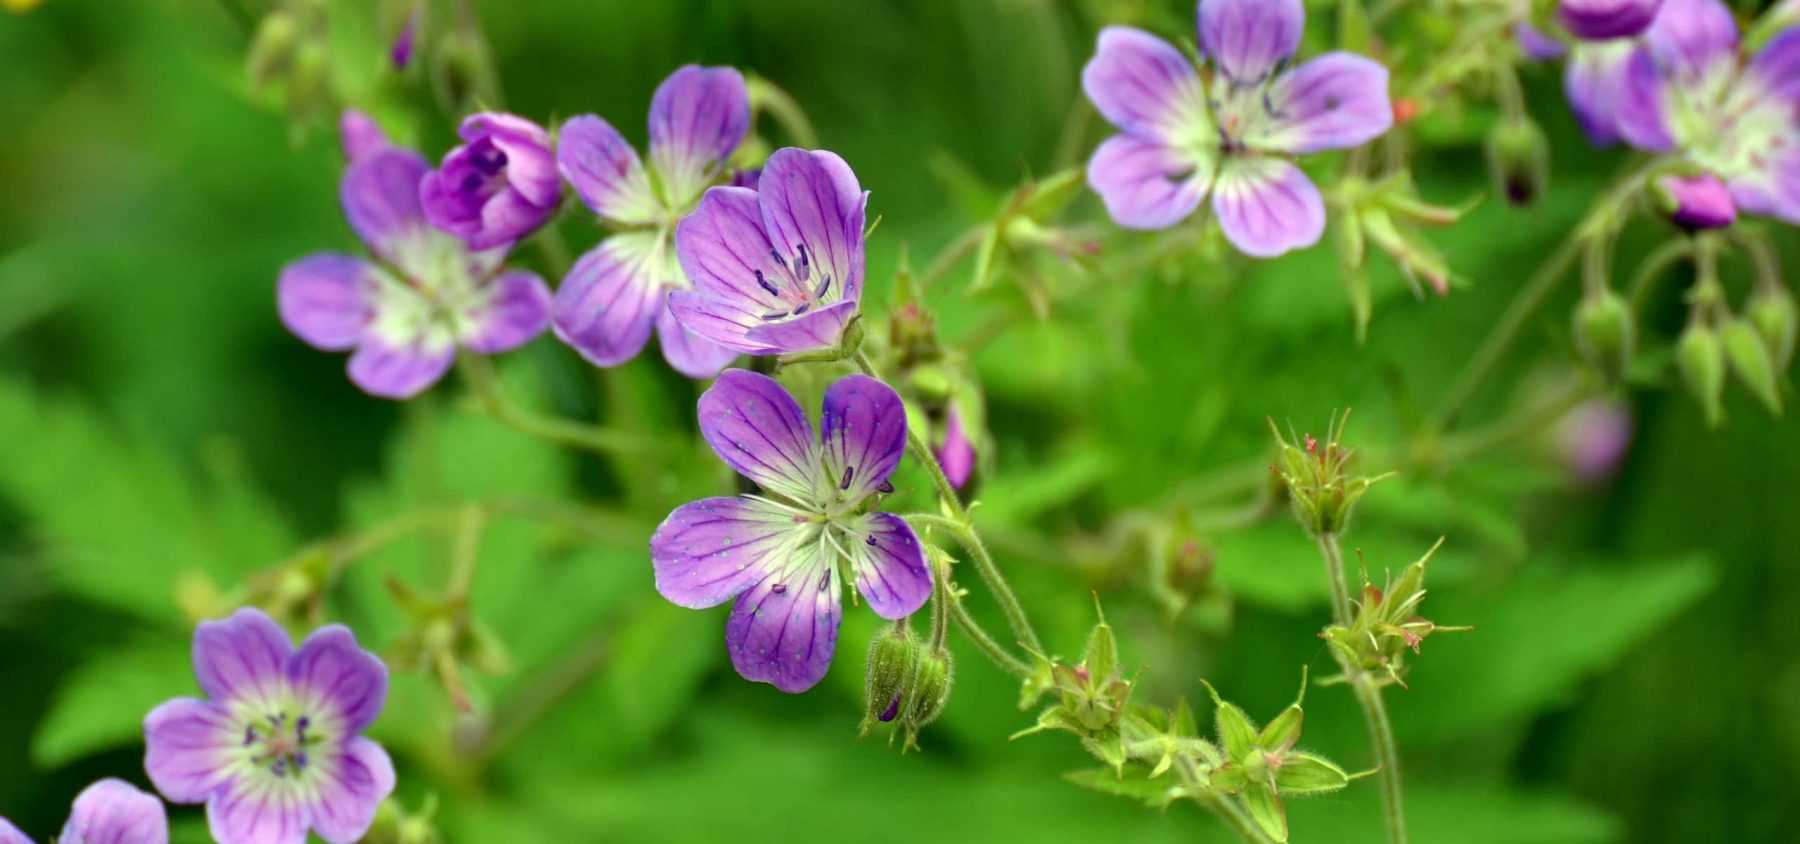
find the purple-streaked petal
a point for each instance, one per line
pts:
(718, 321)
(1595, 85)
(755, 426)
(1536, 45)
(242, 658)
(811, 198)
(1267, 207)
(1335, 101)
(709, 551)
(530, 162)
(332, 674)
(1778, 66)
(1600, 20)
(783, 629)
(257, 810)
(10, 834)
(689, 353)
(380, 194)
(1146, 184)
(1143, 85)
(360, 135)
(889, 564)
(698, 116)
(1639, 114)
(1248, 38)
(956, 453)
(605, 170)
(1773, 191)
(863, 432)
(1690, 37)
(399, 371)
(350, 791)
(113, 811)
(607, 304)
(722, 246)
(517, 310)
(820, 329)
(324, 299)
(187, 748)
(1698, 202)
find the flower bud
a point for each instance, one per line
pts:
(1600, 20)
(272, 47)
(1605, 334)
(1320, 487)
(1701, 356)
(1519, 157)
(1772, 311)
(1696, 203)
(1750, 359)
(926, 692)
(891, 658)
(500, 185)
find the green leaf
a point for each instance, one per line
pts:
(102, 704)
(1305, 773)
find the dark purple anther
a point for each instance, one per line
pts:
(892, 711)
(845, 482)
(766, 285)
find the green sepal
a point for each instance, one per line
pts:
(1305, 773)
(1266, 808)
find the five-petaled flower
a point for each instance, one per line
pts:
(277, 746)
(498, 186)
(785, 554)
(1181, 138)
(1689, 92)
(777, 269)
(405, 314)
(108, 812)
(613, 296)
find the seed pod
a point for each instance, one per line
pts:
(892, 656)
(1773, 313)
(1749, 357)
(1605, 334)
(1519, 156)
(1701, 355)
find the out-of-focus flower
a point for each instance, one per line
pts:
(1536, 44)
(108, 812)
(781, 554)
(1180, 141)
(1698, 202)
(498, 186)
(956, 453)
(619, 290)
(1592, 440)
(406, 40)
(360, 135)
(779, 269)
(1594, 82)
(404, 315)
(276, 748)
(1599, 20)
(1691, 93)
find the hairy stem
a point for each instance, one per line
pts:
(1368, 697)
(479, 374)
(960, 524)
(1222, 807)
(985, 642)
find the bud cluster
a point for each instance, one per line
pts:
(1387, 624)
(906, 684)
(1319, 483)
(1263, 766)
(1092, 697)
(1389, 214)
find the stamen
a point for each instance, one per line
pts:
(885, 488)
(845, 483)
(802, 309)
(869, 540)
(824, 285)
(778, 589)
(766, 285)
(775, 315)
(802, 265)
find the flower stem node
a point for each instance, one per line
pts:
(1320, 486)
(1387, 624)
(907, 684)
(1263, 765)
(1605, 334)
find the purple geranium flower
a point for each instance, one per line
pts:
(107, 812)
(499, 186)
(405, 314)
(1181, 139)
(785, 554)
(1594, 82)
(1698, 202)
(1599, 20)
(1689, 92)
(614, 295)
(777, 269)
(276, 748)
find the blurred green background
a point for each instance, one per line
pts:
(1631, 677)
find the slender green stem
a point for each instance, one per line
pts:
(1653, 267)
(466, 552)
(953, 252)
(479, 373)
(964, 529)
(1368, 696)
(769, 97)
(986, 643)
(1224, 808)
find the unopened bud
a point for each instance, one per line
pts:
(1701, 355)
(891, 659)
(1749, 358)
(1696, 203)
(272, 47)
(1602, 20)
(1605, 334)
(1773, 313)
(1519, 156)
(927, 692)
